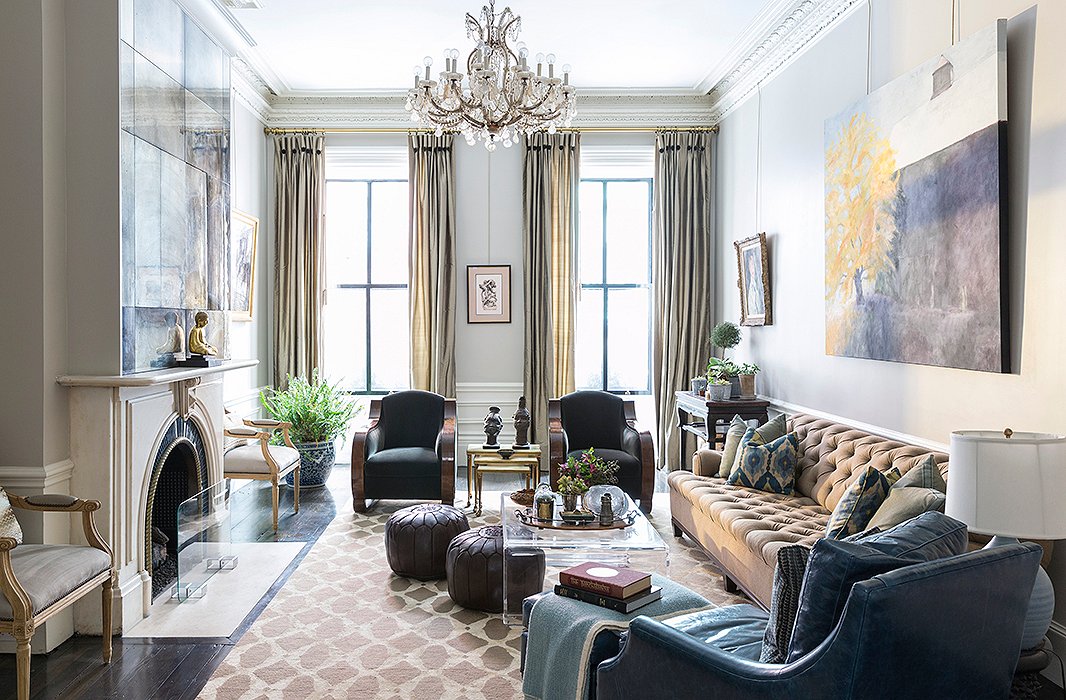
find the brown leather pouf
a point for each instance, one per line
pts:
(475, 571)
(417, 537)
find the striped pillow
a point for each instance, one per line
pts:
(9, 527)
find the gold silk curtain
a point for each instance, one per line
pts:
(300, 180)
(550, 183)
(682, 270)
(432, 262)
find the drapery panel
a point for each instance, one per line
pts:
(300, 181)
(432, 262)
(550, 184)
(682, 273)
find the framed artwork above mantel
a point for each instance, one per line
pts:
(753, 278)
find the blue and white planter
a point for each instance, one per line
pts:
(316, 463)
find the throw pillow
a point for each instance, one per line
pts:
(737, 427)
(925, 474)
(9, 526)
(858, 505)
(767, 432)
(906, 503)
(834, 566)
(767, 467)
(788, 580)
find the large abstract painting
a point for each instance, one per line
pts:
(915, 214)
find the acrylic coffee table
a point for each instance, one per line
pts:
(638, 546)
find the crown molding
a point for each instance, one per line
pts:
(385, 110)
(249, 89)
(794, 33)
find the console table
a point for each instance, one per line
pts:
(692, 406)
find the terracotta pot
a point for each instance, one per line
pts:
(747, 385)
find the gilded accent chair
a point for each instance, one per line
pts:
(407, 450)
(39, 580)
(604, 421)
(251, 456)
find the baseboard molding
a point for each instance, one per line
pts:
(472, 401)
(787, 407)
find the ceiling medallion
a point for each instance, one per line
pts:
(500, 96)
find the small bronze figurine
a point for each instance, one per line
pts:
(606, 510)
(493, 426)
(198, 344)
(521, 424)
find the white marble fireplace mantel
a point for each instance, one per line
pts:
(117, 427)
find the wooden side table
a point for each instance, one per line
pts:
(712, 413)
(524, 461)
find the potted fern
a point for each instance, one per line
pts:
(319, 413)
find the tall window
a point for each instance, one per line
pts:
(613, 322)
(365, 318)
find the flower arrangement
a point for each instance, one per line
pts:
(590, 469)
(571, 486)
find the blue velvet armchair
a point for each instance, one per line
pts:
(949, 628)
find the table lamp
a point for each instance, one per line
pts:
(1012, 485)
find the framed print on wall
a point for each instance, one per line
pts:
(488, 293)
(244, 231)
(754, 281)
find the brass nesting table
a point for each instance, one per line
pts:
(524, 461)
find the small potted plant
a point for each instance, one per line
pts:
(571, 488)
(719, 388)
(699, 384)
(319, 413)
(746, 373)
(590, 468)
(726, 336)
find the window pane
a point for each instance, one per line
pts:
(389, 337)
(627, 232)
(345, 233)
(588, 340)
(590, 232)
(628, 340)
(344, 338)
(388, 233)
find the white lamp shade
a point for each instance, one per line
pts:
(1012, 487)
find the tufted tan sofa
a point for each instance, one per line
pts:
(742, 529)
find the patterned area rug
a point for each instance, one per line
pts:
(344, 626)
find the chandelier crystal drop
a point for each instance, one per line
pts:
(500, 96)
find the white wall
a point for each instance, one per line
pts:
(926, 402)
(252, 160)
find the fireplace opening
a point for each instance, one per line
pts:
(179, 473)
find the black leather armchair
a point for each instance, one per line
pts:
(598, 419)
(407, 450)
(949, 628)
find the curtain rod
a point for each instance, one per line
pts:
(392, 130)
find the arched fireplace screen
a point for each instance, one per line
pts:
(178, 473)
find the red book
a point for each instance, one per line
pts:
(613, 581)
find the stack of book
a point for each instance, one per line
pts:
(616, 588)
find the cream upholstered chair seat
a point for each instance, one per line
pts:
(50, 573)
(248, 459)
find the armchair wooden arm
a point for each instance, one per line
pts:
(61, 503)
(647, 457)
(557, 442)
(359, 457)
(272, 425)
(447, 454)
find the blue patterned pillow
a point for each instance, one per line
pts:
(770, 467)
(858, 505)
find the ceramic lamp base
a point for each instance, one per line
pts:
(1041, 601)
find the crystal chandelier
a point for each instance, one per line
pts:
(500, 96)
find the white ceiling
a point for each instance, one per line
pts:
(342, 46)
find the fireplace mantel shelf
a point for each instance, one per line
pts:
(152, 378)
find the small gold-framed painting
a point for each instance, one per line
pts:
(488, 293)
(753, 279)
(243, 233)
